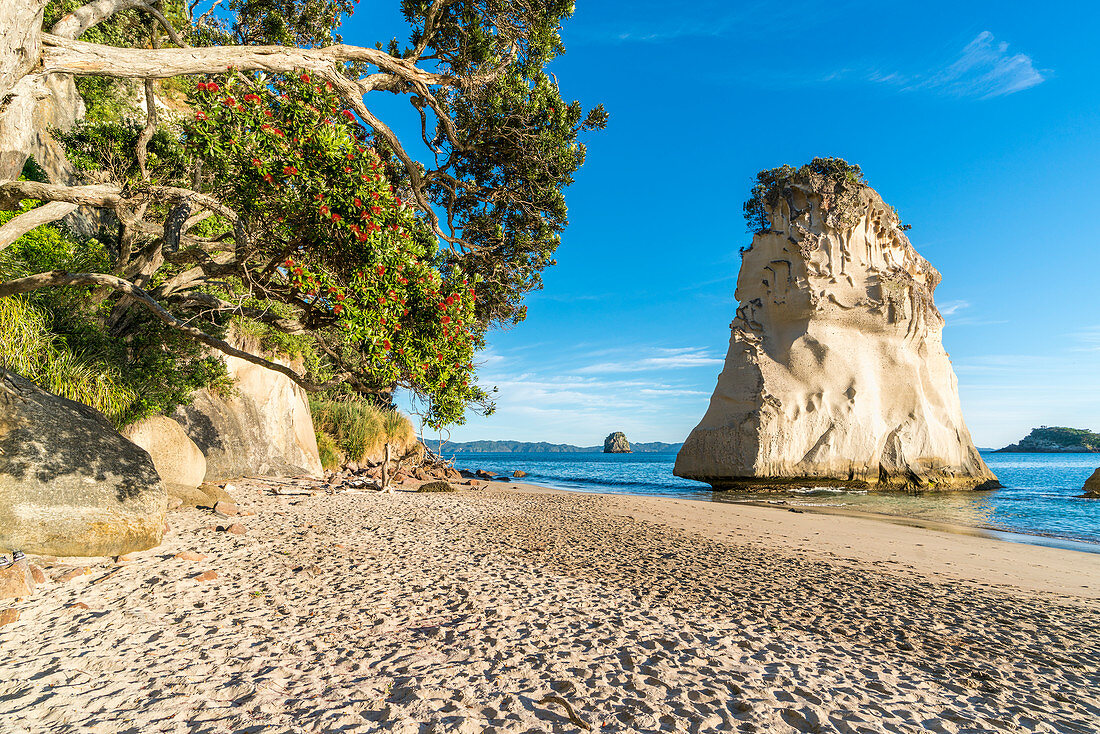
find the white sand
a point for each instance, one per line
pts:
(460, 612)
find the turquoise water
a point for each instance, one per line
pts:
(1039, 497)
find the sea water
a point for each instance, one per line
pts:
(1040, 500)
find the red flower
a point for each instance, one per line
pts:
(269, 113)
(290, 171)
(386, 344)
(254, 98)
(297, 271)
(200, 115)
(376, 210)
(257, 162)
(348, 114)
(450, 300)
(397, 200)
(445, 320)
(338, 308)
(304, 77)
(381, 269)
(212, 87)
(357, 203)
(201, 86)
(288, 262)
(362, 237)
(340, 296)
(269, 178)
(229, 102)
(336, 217)
(323, 209)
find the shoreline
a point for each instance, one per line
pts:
(468, 612)
(961, 553)
(985, 531)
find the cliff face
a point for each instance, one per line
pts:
(835, 370)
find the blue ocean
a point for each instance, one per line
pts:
(1038, 504)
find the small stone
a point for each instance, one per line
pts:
(205, 576)
(174, 503)
(16, 581)
(518, 473)
(248, 513)
(236, 528)
(78, 605)
(226, 508)
(127, 558)
(37, 574)
(189, 556)
(73, 574)
(485, 474)
(337, 545)
(9, 616)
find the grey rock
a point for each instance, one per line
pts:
(1092, 486)
(70, 484)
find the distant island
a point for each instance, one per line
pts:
(1056, 440)
(541, 447)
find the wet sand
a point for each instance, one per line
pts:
(462, 612)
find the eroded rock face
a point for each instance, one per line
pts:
(178, 461)
(263, 428)
(835, 372)
(616, 443)
(70, 484)
(1092, 486)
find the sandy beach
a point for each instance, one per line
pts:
(462, 612)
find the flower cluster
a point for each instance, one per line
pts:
(361, 259)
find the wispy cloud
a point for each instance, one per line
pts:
(985, 69)
(953, 307)
(665, 359)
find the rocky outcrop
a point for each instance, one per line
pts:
(262, 428)
(835, 372)
(616, 443)
(70, 484)
(1092, 486)
(179, 462)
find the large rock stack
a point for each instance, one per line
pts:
(835, 372)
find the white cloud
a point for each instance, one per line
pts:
(986, 69)
(952, 307)
(667, 359)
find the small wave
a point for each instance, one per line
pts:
(826, 490)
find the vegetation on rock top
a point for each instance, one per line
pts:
(836, 181)
(1056, 439)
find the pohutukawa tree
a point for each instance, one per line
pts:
(271, 190)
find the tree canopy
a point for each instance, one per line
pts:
(230, 168)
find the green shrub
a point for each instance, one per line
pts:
(359, 428)
(328, 450)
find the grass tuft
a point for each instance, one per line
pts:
(360, 429)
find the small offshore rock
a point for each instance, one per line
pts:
(616, 443)
(226, 508)
(8, 616)
(16, 581)
(205, 576)
(189, 556)
(519, 473)
(439, 486)
(482, 474)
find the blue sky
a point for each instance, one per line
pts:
(978, 121)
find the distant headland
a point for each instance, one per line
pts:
(540, 447)
(1056, 440)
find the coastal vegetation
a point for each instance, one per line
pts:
(838, 183)
(216, 185)
(353, 430)
(1056, 439)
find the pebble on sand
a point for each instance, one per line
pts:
(189, 556)
(205, 576)
(9, 616)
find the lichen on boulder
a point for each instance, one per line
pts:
(836, 373)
